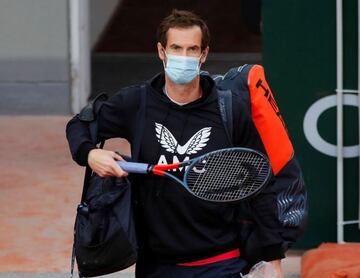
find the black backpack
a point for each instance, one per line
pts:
(104, 231)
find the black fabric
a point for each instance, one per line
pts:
(177, 226)
(83, 153)
(230, 268)
(104, 230)
(89, 112)
(225, 108)
(105, 239)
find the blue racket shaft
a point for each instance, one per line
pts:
(134, 167)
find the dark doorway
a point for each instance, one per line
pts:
(126, 54)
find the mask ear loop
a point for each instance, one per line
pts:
(199, 65)
(164, 59)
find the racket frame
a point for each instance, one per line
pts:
(194, 161)
(162, 170)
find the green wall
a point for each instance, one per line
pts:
(299, 55)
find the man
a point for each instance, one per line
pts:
(180, 236)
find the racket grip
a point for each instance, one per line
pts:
(134, 167)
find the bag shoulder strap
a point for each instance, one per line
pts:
(225, 107)
(89, 114)
(232, 83)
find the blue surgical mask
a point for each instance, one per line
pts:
(182, 69)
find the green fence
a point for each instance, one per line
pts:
(299, 55)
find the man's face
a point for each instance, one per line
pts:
(184, 42)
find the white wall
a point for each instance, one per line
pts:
(34, 37)
(33, 40)
(34, 52)
(33, 29)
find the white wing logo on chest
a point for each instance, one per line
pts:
(170, 144)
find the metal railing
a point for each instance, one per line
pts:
(339, 119)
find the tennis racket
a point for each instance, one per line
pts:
(226, 175)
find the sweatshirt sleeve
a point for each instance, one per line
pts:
(112, 120)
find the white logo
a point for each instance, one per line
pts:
(311, 129)
(196, 143)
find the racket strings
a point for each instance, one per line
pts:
(228, 176)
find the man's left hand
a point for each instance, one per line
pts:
(278, 269)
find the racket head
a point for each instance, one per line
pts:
(227, 175)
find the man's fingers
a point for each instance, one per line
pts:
(117, 156)
(118, 171)
(104, 163)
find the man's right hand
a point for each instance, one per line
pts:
(103, 163)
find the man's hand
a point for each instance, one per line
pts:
(103, 163)
(277, 267)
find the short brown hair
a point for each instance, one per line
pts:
(182, 19)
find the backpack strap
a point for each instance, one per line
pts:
(225, 107)
(89, 114)
(233, 82)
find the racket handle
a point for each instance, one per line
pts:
(134, 167)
